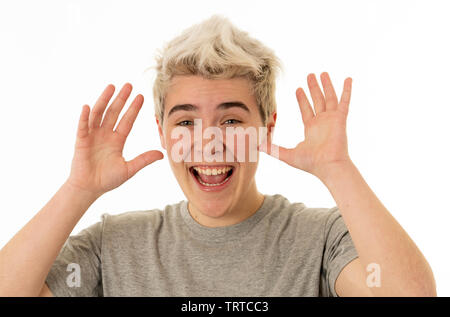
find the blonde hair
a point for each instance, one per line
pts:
(216, 49)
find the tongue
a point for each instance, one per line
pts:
(212, 179)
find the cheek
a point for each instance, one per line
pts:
(170, 143)
(178, 143)
(250, 169)
(244, 146)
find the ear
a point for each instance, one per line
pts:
(266, 139)
(161, 133)
(271, 120)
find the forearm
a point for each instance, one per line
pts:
(27, 258)
(378, 237)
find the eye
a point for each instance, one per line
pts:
(185, 123)
(232, 121)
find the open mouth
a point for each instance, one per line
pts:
(212, 177)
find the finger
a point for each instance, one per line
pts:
(278, 152)
(110, 119)
(100, 106)
(305, 107)
(127, 121)
(331, 100)
(345, 97)
(142, 161)
(83, 123)
(316, 94)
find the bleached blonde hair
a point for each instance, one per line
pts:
(216, 49)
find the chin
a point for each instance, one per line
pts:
(214, 208)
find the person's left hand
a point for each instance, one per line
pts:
(325, 144)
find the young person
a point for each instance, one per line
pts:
(227, 238)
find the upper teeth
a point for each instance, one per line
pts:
(213, 171)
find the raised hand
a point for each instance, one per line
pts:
(98, 165)
(325, 143)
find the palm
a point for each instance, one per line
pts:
(98, 164)
(98, 160)
(325, 140)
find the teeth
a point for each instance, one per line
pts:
(213, 171)
(206, 184)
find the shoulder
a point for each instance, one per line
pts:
(139, 221)
(283, 205)
(300, 215)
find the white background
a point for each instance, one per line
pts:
(56, 56)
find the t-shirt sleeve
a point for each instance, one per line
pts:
(77, 269)
(339, 251)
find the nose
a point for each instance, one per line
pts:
(208, 142)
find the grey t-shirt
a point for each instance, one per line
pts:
(284, 249)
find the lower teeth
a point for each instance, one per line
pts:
(206, 184)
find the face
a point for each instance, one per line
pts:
(230, 185)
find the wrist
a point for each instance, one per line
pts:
(335, 170)
(77, 191)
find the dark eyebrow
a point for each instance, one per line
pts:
(222, 106)
(230, 104)
(185, 107)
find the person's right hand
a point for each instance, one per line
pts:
(98, 165)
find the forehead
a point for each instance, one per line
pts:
(201, 91)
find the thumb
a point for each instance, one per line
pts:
(278, 152)
(142, 160)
